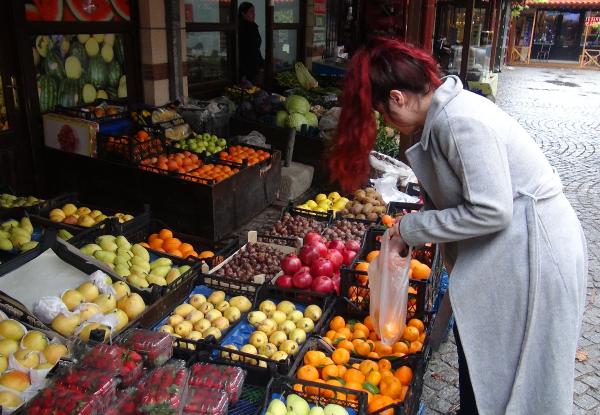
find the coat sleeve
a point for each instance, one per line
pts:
(479, 160)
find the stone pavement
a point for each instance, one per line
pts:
(561, 110)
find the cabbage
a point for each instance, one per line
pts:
(297, 104)
(281, 118)
(296, 121)
(311, 119)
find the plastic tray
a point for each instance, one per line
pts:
(155, 346)
(127, 149)
(224, 378)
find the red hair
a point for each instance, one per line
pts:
(374, 71)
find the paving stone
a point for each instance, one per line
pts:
(580, 387)
(586, 402)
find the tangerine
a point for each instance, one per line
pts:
(330, 371)
(421, 272)
(354, 375)
(415, 347)
(400, 347)
(367, 366)
(383, 349)
(337, 323)
(404, 374)
(384, 364)
(363, 348)
(308, 372)
(374, 377)
(415, 322)
(171, 243)
(346, 344)
(157, 243)
(372, 255)
(152, 237)
(410, 333)
(369, 323)
(379, 402)
(391, 386)
(340, 356)
(362, 266)
(313, 357)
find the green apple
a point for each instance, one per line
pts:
(277, 407)
(297, 405)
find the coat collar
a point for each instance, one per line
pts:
(441, 97)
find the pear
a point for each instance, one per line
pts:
(107, 302)
(64, 234)
(123, 259)
(9, 224)
(161, 262)
(105, 256)
(122, 242)
(87, 331)
(53, 352)
(125, 252)
(122, 270)
(26, 224)
(89, 291)
(111, 238)
(8, 346)
(155, 279)
(19, 240)
(333, 409)
(172, 275)
(11, 329)
(72, 298)
(89, 249)
(139, 250)
(161, 271)
(69, 209)
(108, 245)
(28, 246)
(141, 262)
(65, 325)
(86, 221)
(122, 318)
(297, 405)
(5, 244)
(136, 269)
(4, 234)
(183, 269)
(121, 289)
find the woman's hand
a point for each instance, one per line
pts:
(395, 229)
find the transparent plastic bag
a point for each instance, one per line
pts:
(388, 284)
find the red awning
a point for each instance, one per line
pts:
(565, 4)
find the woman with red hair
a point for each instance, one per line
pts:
(510, 239)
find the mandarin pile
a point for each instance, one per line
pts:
(178, 162)
(238, 154)
(164, 241)
(360, 339)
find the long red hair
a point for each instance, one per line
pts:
(374, 71)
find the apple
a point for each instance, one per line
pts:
(72, 299)
(232, 314)
(267, 306)
(278, 316)
(212, 331)
(8, 346)
(296, 405)
(305, 324)
(107, 302)
(226, 355)
(194, 335)
(277, 338)
(89, 291)
(277, 407)
(15, 380)
(258, 338)
(10, 400)
(267, 349)
(287, 327)
(279, 355)
(298, 335)
(289, 346)
(195, 316)
(295, 315)
(221, 323)
(175, 319)
(241, 303)
(54, 351)
(197, 300)
(206, 307)
(133, 305)
(202, 325)
(65, 324)
(222, 306)
(286, 306)
(34, 340)
(166, 329)
(267, 326)
(334, 409)
(216, 297)
(256, 317)
(121, 289)
(184, 328)
(313, 312)
(249, 349)
(184, 309)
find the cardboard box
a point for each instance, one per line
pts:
(72, 135)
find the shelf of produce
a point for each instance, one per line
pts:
(8, 200)
(21, 234)
(422, 292)
(414, 383)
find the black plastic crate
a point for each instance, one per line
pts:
(410, 404)
(142, 229)
(127, 149)
(400, 208)
(43, 216)
(368, 224)
(87, 112)
(354, 283)
(268, 234)
(44, 237)
(20, 210)
(153, 291)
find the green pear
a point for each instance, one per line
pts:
(172, 275)
(100, 218)
(21, 232)
(9, 224)
(333, 409)
(183, 269)
(122, 242)
(139, 250)
(64, 234)
(123, 259)
(105, 256)
(28, 246)
(26, 224)
(89, 249)
(136, 269)
(124, 251)
(161, 271)
(316, 410)
(122, 270)
(161, 262)
(4, 234)
(104, 237)
(155, 279)
(141, 262)
(5, 244)
(18, 240)
(277, 407)
(108, 245)
(297, 405)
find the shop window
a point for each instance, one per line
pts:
(545, 30)
(207, 57)
(208, 11)
(285, 50)
(286, 11)
(77, 11)
(570, 29)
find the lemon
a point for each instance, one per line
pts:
(320, 197)
(311, 204)
(333, 196)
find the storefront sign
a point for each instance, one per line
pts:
(592, 20)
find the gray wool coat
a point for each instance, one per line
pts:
(515, 248)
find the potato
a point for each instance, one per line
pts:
(363, 199)
(359, 193)
(361, 216)
(350, 216)
(344, 212)
(379, 210)
(357, 208)
(368, 208)
(372, 216)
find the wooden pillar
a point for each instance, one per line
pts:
(586, 31)
(428, 23)
(511, 38)
(531, 36)
(495, 28)
(467, 40)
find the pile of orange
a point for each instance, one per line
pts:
(163, 241)
(216, 172)
(361, 339)
(383, 385)
(183, 162)
(238, 154)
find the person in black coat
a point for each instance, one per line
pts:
(251, 59)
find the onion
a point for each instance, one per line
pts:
(284, 281)
(302, 280)
(308, 254)
(352, 245)
(290, 264)
(336, 258)
(322, 285)
(322, 266)
(348, 257)
(312, 237)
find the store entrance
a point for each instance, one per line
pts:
(13, 133)
(557, 35)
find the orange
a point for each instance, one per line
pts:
(373, 336)
(342, 370)
(152, 237)
(330, 371)
(362, 266)
(387, 220)
(337, 323)
(353, 386)
(414, 263)
(383, 349)
(340, 356)
(363, 349)
(346, 332)
(192, 253)
(379, 402)
(385, 373)
(308, 372)
(418, 324)
(156, 243)
(372, 255)
(339, 336)
(400, 347)
(367, 366)
(354, 375)
(422, 337)
(346, 344)
(185, 248)
(326, 361)
(391, 386)
(369, 323)
(171, 243)
(403, 393)
(359, 334)
(384, 364)
(206, 254)
(373, 355)
(314, 390)
(330, 335)
(175, 252)
(421, 272)
(165, 234)
(361, 327)
(415, 347)
(391, 329)
(404, 374)
(410, 333)
(356, 342)
(313, 357)
(374, 377)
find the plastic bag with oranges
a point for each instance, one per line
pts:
(388, 284)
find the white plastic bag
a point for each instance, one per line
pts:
(392, 172)
(388, 286)
(47, 308)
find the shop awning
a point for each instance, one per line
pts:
(565, 4)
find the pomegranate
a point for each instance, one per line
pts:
(322, 266)
(312, 237)
(348, 257)
(353, 245)
(290, 264)
(302, 280)
(284, 281)
(336, 258)
(338, 245)
(308, 254)
(322, 284)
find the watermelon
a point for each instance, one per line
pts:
(53, 65)
(47, 92)
(122, 8)
(68, 93)
(97, 72)
(32, 13)
(119, 49)
(113, 74)
(50, 10)
(78, 51)
(101, 12)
